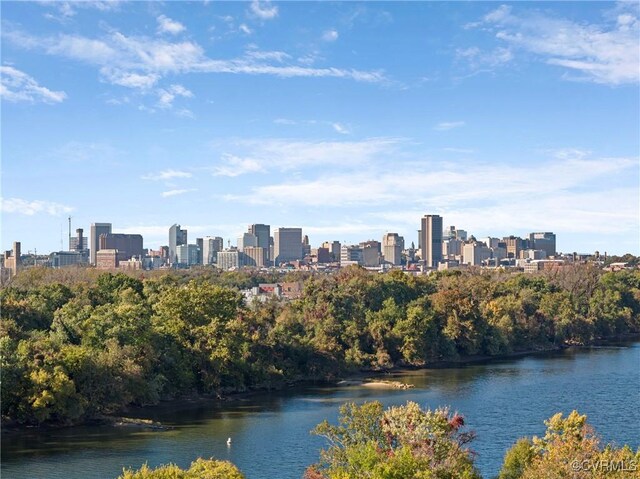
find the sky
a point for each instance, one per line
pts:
(347, 119)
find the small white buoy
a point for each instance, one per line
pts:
(229, 442)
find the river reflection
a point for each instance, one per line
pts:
(501, 400)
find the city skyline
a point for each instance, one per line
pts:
(348, 120)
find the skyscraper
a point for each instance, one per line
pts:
(210, 247)
(177, 237)
(97, 229)
(287, 245)
(263, 233)
(544, 241)
(392, 245)
(431, 240)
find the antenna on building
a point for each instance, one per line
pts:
(69, 233)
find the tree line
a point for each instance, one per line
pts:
(78, 346)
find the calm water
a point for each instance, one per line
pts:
(501, 401)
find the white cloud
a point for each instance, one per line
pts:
(166, 25)
(607, 53)
(166, 96)
(244, 28)
(167, 194)
(287, 155)
(234, 166)
(140, 62)
(340, 128)
(277, 56)
(33, 207)
(448, 125)
(264, 9)
(164, 175)
(330, 35)
(17, 86)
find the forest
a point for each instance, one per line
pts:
(80, 345)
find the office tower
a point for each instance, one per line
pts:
(334, 249)
(371, 252)
(287, 245)
(263, 233)
(229, 259)
(475, 253)
(177, 237)
(515, 245)
(97, 229)
(200, 245)
(127, 245)
(254, 256)
(187, 255)
(247, 239)
(431, 240)
(544, 241)
(211, 245)
(79, 242)
(351, 254)
(306, 247)
(392, 246)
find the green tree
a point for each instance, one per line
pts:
(403, 442)
(200, 469)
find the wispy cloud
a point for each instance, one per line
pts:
(264, 9)
(33, 207)
(340, 128)
(235, 166)
(448, 125)
(17, 86)
(139, 61)
(167, 194)
(165, 175)
(250, 155)
(166, 96)
(330, 35)
(244, 28)
(167, 25)
(607, 53)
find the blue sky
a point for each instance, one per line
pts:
(347, 119)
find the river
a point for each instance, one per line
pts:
(501, 400)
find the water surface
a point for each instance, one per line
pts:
(501, 401)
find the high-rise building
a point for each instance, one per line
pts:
(371, 252)
(263, 233)
(177, 237)
(544, 241)
(187, 255)
(431, 240)
(392, 246)
(97, 229)
(229, 259)
(128, 245)
(334, 248)
(12, 259)
(78, 242)
(210, 247)
(475, 252)
(515, 245)
(246, 240)
(254, 256)
(287, 245)
(200, 245)
(351, 254)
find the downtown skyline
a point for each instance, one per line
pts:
(348, 120)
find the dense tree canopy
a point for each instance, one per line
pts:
(81, 345)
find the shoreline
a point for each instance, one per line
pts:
(373, 378)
